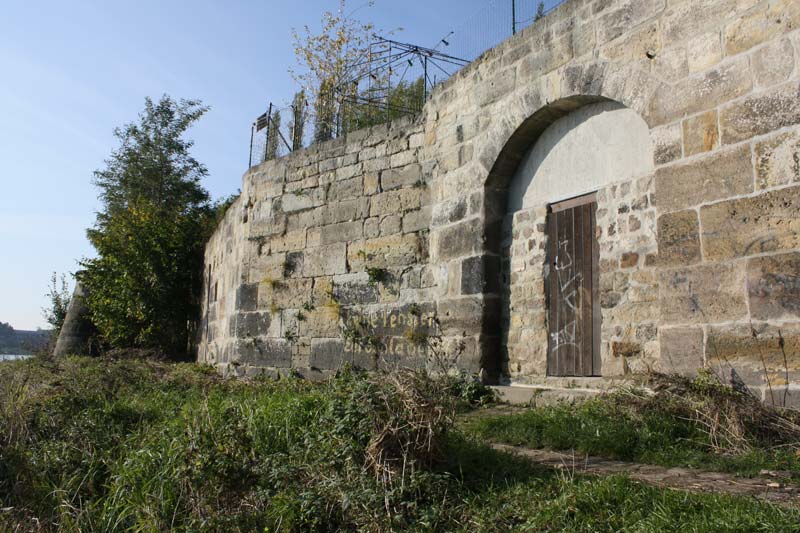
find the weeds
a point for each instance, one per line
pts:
(410, 414)
(141, 445)
(696, 423)
(377, 275)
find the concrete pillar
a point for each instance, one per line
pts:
(75, 335)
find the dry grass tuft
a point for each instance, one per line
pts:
(413, 415)
(734, 420)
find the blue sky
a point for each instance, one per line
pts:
(70, 72)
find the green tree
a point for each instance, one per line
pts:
(539, 11)
(298, 124)
(273, 139)
(59, 297)
(406, 97)
(8, 339)
(401, 99)
(145, 283)
(324, 113)
(329, 58)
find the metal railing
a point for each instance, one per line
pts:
(271, 138)
(392, 80)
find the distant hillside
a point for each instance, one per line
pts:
(21, 342)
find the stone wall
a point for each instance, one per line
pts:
(387, 247)
(324, 257)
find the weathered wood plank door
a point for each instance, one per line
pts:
(573, 303)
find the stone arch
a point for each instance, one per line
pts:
(542, 100)
(509, 157)
(542, 103)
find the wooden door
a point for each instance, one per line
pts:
(573, 303)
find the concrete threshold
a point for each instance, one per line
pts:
(540, 395)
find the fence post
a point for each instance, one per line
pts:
(425, 81)
(252, 133)
(294, 127)
(269, 130)
(513, 17)
(389, 88)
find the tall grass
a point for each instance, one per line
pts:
(696, 423)
(122, 445)
(106, 445)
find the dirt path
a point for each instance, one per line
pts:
(772, 488)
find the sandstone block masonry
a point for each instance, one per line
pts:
(396, 245)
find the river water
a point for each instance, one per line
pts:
(4, 357)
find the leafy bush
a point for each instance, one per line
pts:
(144, 286)
(468, 391)
(59, 296)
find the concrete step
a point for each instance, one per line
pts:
(573, 382)
(538, 395)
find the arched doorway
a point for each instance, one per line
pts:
(544, 196)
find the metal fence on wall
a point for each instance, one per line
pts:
(494, 23)
(393, 80)
(273, 134)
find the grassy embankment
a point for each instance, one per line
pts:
(100, 445)
(689, 423)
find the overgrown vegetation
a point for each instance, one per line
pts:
(144, 285)
(113, 445)
(331, 62)
(697, 423)
(377, 275)
(324, 58)
(58, 295)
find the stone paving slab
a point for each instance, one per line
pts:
(771, 488)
